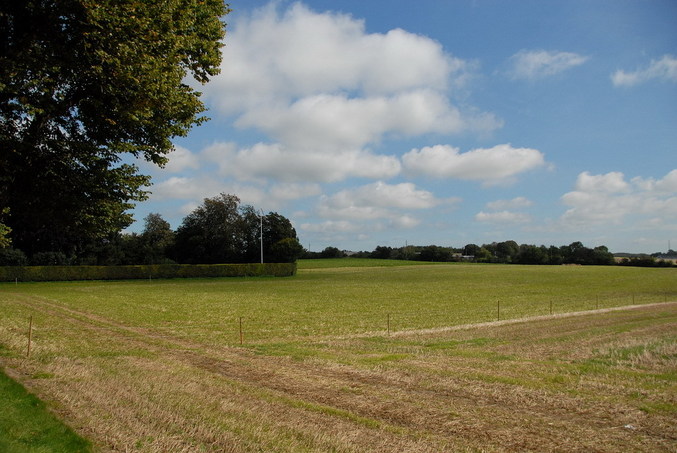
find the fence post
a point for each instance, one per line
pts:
(550, 307)
(30, 334)
(498, 310)
(241, 335)
(388, 324)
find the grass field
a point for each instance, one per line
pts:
(351, 358)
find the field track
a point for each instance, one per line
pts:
(603, 380)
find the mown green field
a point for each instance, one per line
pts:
(354, 356)
(352, 300)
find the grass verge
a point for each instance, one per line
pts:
(27, 426)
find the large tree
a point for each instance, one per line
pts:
(222, 231)
(82, 84)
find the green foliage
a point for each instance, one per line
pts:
(222, 231)
(66, 273)
(12, 257)
(49, 259)
(26, 425)
(81, 84)
(5, 240)
(286, 250)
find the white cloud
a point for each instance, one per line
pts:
(294, 191)
(181, 159)
(515, 203)
(502, 217)
(664, 69)
(609, 200)
(537, 64)
(273, 56)
(331, 226)
(337, 121)
(324, 91)
(404, 222)
(378, 201)
(609, 183)
(184, 188)
(280, 163)
(489, 165)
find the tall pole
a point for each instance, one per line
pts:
(261, 236)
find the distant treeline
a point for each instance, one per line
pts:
(509, 252)
(218, 231)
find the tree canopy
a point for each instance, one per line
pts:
(222, 231)
(82, 84)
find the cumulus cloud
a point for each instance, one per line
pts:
(663, 69)
(503, 212)
(275, 161)
(515, 203)
(324, 91)
(184, 188)
(378, 200)
(502, 217)
(374, 207)
(337, 121)
(490, 165)
(279, 56)
(331, 226)
(181, 159)
(609, 199)
(538, 64)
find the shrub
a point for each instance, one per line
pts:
(12, 257)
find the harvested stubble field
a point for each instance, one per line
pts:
(158, 366)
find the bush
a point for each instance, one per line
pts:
(49, 259)
(65, 273)
(12, 257)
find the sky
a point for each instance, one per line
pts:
(387, 123)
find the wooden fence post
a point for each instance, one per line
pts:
(241, 335)
(30, 334)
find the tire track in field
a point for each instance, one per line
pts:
(392, 398)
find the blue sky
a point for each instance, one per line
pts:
(441, 122)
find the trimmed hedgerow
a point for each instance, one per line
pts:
(63, 273)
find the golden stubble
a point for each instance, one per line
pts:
(597, 382)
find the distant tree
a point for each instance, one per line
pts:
(471, 250)
(49, 259)
(531, 254)
(507, 251)
(222, 231)
(277, 228)
(435, 253)
(554, 255)
(210, 234)
(331, 252)
(382, 252)
(12, 257)
(483, 255)
(602, 256)
(286, 250)
(156, 239)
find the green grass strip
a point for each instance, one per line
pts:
(27, 426)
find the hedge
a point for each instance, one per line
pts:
(64, 273)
